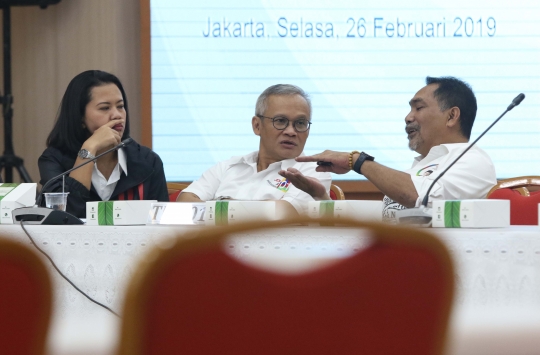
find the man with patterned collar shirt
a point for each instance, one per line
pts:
(438, 128)
(282, 121)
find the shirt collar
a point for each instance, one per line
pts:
(440, 150)
(251, 159)
(122, 161)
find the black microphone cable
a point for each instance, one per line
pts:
(64, 276)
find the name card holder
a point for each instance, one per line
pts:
(179, 213)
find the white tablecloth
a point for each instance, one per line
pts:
(496, 311)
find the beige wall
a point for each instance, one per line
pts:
(51, 46)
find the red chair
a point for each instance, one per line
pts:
(174, 189)
(25, 300)
(523, 202)
(193, 298)
(336, 193)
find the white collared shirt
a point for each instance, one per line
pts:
(238, 178)
(470, 178)
(103, 187)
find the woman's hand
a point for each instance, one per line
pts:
(103, 137)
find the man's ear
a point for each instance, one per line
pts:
(256, 124)
(454, 116)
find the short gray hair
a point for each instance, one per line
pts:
(279, 89)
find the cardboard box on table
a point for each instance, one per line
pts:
(14, 196)
(353, 209)
(230, 212)
(471, 213)
(117, 213)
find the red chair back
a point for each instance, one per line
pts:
(336, 193)
(25, 300)
(523, 209)
(174, 189)
(392, 298)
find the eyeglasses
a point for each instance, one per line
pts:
(280, 123)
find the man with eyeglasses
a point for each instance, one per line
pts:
(282, 121)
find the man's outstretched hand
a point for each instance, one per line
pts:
(307, 184)
(329, 161)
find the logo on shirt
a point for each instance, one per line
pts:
(390, 207)
(280, 184)
(427, 170)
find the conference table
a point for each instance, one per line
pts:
(497, 271)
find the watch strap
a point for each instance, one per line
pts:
(361, 159)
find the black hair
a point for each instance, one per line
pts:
(453, 92)
(68, 132)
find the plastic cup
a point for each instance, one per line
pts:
(56, 200)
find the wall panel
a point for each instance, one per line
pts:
(51, 46)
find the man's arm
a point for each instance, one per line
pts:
(204, 188)
(188, 197)
(395, 184)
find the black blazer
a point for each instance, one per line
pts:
(145, 176)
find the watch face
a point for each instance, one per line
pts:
(83, 153)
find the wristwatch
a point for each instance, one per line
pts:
(83, 153)
(361, 159)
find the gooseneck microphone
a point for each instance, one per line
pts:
(43, 215)
(43, 189)
(419, 215)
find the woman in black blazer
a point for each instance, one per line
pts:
(93, 117)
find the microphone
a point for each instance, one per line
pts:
(44, 215)
(515, 102)
(422, 215)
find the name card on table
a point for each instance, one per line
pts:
(14, 196)
(183, 213)
(220, 213)
(471, 213)
(359, 210)
(117, 213)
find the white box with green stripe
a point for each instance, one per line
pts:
(471, 213)
(360, 210)
(221, 213)
(15, 196)
(117, 213)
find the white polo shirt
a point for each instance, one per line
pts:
(238, 178)
(471, 177)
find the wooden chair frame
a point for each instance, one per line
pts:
(519, 184)
(338, 191)
(158, 259)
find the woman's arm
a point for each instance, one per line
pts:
(103, 138)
